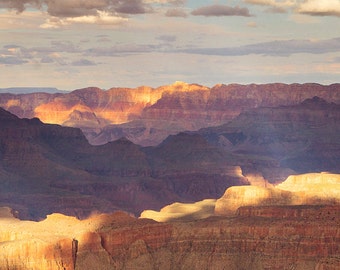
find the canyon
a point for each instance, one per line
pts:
(146, 116)
(47, 168)
(176, 177)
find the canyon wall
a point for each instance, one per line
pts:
(148, 115)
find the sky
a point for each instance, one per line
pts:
(72, 44)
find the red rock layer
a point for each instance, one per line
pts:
(304, 237)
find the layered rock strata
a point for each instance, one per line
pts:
(148, 115)
(257, 238)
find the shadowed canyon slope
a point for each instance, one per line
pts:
(146, 115)
(274, 142)
(48, 168)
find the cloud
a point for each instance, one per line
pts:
(81, 8)
(273, 6)
(309, 7)
(173, 2)
(252, 24)
(121, 49)
(131, 7)
(320, 8)
(83, 62)
(167, 38)
(11, 60)
(176, 12)
(46, 59)
(12, 54)
(220, 10)
(275, 48)
(20, 5)
(101, 18)
(336, 60)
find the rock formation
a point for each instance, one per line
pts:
(296, 190)
(182, 211)
(306, 189)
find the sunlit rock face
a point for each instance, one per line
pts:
(182, 211)
(296, 190)
(306, 189)
(146, 115)
(306, 238)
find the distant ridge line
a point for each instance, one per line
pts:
(29, 90)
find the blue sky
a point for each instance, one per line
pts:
(71, 44)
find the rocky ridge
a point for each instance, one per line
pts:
(146, 115)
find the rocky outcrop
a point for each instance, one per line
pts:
(306, 189)
(148, 115)
(257, 238)
(182, 211)
(296, 190)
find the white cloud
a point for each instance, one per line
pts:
(320, 7)
(310, 7)
(101, 18)
(273, 3)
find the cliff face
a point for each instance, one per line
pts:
(147, 115)
(255, 239)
